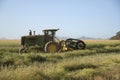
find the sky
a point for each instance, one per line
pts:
(74, 18)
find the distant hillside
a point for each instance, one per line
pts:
(89, 38)
(3, 38)
(82, 38)
(62, 38)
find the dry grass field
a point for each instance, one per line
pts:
(99, 61)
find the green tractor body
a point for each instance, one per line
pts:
(47, 42)
(37, 40)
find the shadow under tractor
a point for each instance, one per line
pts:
(49, 43)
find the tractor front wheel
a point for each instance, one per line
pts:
(80, 45)
(51, 47)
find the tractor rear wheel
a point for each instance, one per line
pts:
(51, 47)
(80, 45)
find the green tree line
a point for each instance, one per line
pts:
(116, 37)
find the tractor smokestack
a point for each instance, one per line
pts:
(30, 32)
(34, 32)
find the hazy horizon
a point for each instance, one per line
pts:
(74, 18)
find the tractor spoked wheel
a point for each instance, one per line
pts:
(51, 47)
(22, 50)
(80, 45)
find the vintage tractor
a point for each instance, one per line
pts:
(49, 43)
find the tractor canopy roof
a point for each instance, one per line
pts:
(51, 30)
